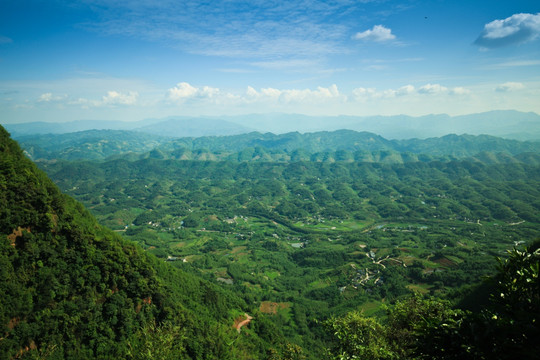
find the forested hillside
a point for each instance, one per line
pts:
(72, 289)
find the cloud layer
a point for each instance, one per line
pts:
(233, 28)
(185, 94)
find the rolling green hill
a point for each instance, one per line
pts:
(89, 145)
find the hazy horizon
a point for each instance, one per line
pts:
(507, 124)
(134, 60)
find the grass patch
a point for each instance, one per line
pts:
(419, 288)
(272, 274)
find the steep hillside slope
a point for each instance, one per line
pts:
(73, 289)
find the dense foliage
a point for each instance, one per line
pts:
(73, 289)
(508, 327)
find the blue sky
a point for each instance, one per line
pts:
(129, 60)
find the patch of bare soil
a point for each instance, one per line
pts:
(241, 321)
(268, 307)
(16, 233)
(444, 262)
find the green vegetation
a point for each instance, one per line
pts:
(90, 144)
(330, 254)
(336, 146)
(72, 289)
(322, 237)
(507, 327)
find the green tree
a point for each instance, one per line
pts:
(153, 342)
(358, 337)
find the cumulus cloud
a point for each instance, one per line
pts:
(432, 89)
(405, 90)
(362, 94)
(270, 92)
(321, 93)
(48, 97)
(378, 33)
(251, 92)
(460, 91)
(509, 86)
(294, 95)
(516, 29)
(117, 98)
(184, 90)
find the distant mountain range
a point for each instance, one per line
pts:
(504, 123)
(341, 145)
(170, 127)
(508, 124)
(350, 140)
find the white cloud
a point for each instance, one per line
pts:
(208, 92)
(251, 92)
(460, 91)
(181, 91)
(117, 98)
(516, 29)
(270, 92)
(361, 94)
(83, 103)
(45, 97)
(294, 95)
(112, 98)
(329, 92)
(432, 89)
(509, 86)
(184, 90)
(405, 90)
(49, 97)
(378, 33)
